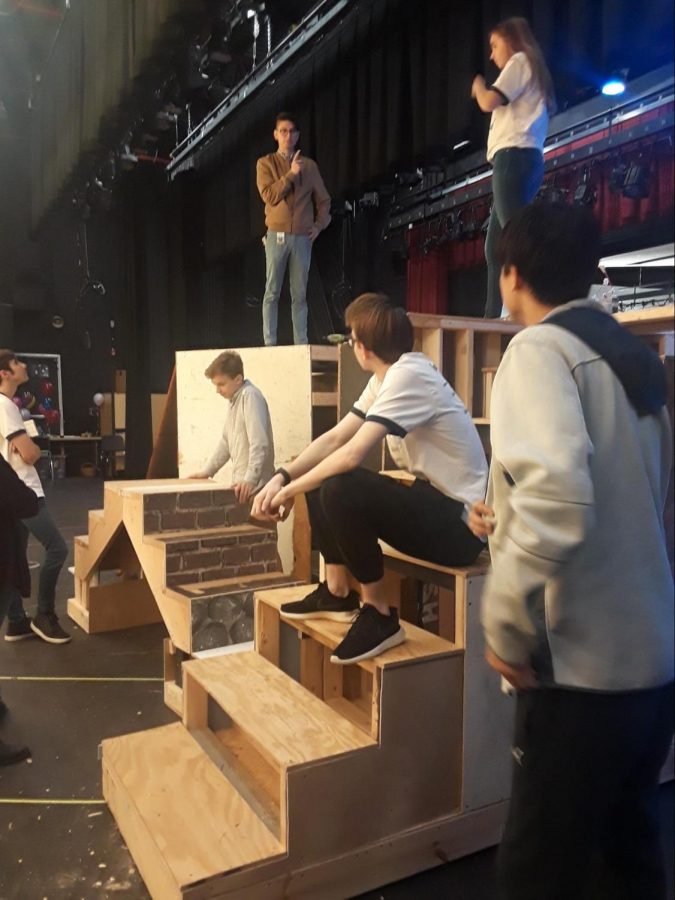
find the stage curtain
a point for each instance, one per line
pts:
(99, 48)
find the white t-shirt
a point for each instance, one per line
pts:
(522, 120)
(431, 434)
(11, 424)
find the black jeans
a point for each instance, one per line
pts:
(585, 787)
(44, 530)
(349, 512)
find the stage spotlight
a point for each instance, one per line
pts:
(615, 85)
(552, 193)
(636, 182)
(584, 193)
(409, 179)
(617, 176)
(471, 226)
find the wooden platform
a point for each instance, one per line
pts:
(348, 776)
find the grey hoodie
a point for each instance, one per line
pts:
(581, 585)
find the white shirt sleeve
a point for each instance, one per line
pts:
(11, 422)
(367, 398)
(402, 403)
(514, 78)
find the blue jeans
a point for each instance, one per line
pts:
(517, 174)
(296, 251)
(44, 530)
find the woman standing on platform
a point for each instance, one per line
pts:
(520, 100)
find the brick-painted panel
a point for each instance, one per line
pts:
(251, 569)
(177, 521)
(211, 518)
(224, 541)
(203, 559)
(151, 522)
(159, 501)
(239, 514)
(239, 554)
(263, 552)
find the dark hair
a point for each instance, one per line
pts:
(228, 363)
(380, 326)
(6, 358)
(517, 33)
(285, 116)
(555, 249)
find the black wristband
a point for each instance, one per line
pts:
(287, 478)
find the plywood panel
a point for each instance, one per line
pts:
(488, 715)
(405, 782)
(285, 722)
(193, 819)
(368, 867)
(419, 644)
(283, 374)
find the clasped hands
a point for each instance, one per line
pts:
(273, 502)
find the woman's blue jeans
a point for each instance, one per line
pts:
(517, 173)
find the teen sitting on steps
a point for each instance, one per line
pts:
(430, 434)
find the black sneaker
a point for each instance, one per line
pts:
(3, 709)
(371, 634)
(321, 604)
(19, 631)
(10, 755)
(46, 626)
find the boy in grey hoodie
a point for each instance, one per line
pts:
(578, 609)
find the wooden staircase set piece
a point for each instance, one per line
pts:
(182, 551)
(347, 776)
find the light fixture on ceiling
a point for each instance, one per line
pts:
(615, 85)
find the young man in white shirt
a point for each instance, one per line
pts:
(430, 434)
(247, 437)
(578, 608)
(22, 453)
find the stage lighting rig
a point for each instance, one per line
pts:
(636, 182)
(585, 193)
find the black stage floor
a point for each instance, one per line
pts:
(57, 838)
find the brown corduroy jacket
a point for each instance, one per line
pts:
(293, 203)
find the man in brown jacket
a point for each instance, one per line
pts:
(297, 208)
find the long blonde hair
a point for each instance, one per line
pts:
(518, 34)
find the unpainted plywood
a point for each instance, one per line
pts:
(184, 817)
(285, 722)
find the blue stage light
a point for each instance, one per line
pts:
(613, 87)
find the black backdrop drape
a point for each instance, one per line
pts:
(388, 90)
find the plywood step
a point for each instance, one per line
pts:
(284, 722)
(234, 531)
(419, 644)
(95, 516)
(230, 585)
(180, 817)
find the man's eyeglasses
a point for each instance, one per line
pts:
(287, 130)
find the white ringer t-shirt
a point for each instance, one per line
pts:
(522, 120)
(431, 434)
(11, 425)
